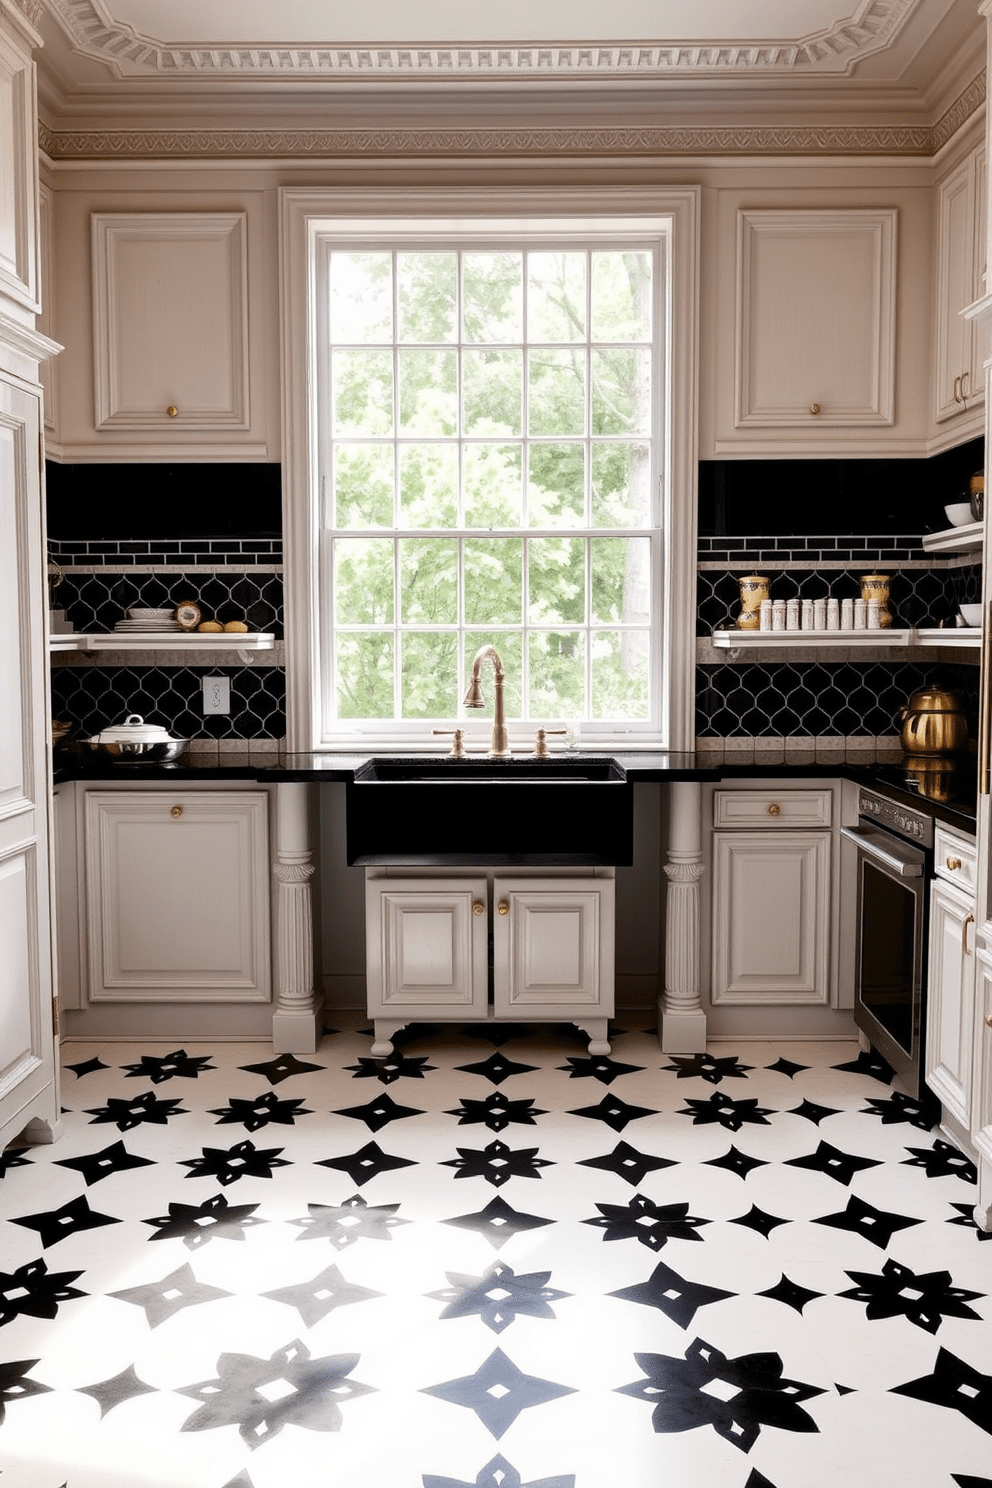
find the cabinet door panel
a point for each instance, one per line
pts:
(550, 948)
(427, 946)
(177, 906)
(950, 1002)
(18, 177)
(771, 917)
(956, 248)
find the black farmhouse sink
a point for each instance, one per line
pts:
(531, 812)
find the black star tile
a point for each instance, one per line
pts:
(160, 1300)
(497, 1068)
(651, 1224)
(15, 1385)
(345, 1224)
(496, 1111)
(616, 1113)
(876, 1225)
(97, 1165)
(175, 1066)
(966, 1217)
(725, 1112)
(138, 1111)
(925, 1300)
(497, 1163)
(955, 1385)
(835, 1164)
(871, 1064)
(965, 1480)
(87, 1067)
(263, 1110)
(379, 1112)
(812, 1112)
(261, 1396)
(942, 1160)
(244, 1481)
(496, 1034)
(791, 1293)
(283, 1067)
(111, 1392)
(498, 1474)
(12, 1158)
(757, 1219)
(598, 1067)
(34, 1291)
(671, 1294)
(707, 1067)
(197, 1224)
(786, 1067)
(497, 1392)
(58, 1224)
(755, 1479)
(388, 1071)
(228, 1165)
(367, 1163)
(736, 1162)
(899, 1107)
(627, 1163)
(499, 1296)
(314, 1299)
(734, 1396)
(498, 1222)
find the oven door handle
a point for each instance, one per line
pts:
(905, 860)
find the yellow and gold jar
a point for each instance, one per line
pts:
(876, 586)
(754, 589)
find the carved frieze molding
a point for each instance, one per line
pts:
(960, 111)
(872, 26)
(32, 10)
(323, 144)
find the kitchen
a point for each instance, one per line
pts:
(156, 503)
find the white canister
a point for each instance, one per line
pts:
(833, 614)
(778, 614)
(819, 614)
(808, 618)
(792, 614)
(847, 614)
(872, 613)
(765, 614)
(860, 614)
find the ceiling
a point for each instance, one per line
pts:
(154, 61)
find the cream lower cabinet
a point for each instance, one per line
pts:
(981, 1105)
(428, 951)
(173, 911)
(951, 999)
(772, 925)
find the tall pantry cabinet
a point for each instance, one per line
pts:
(28, 1084)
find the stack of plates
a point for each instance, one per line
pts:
(147, 621)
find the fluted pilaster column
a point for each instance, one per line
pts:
(296, 1021)
(681, 1020)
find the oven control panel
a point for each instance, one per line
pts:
(915, 825)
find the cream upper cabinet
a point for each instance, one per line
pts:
(959, 383)
(19, 256)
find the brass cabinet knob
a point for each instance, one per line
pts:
(814, 409)
(774, 810)
(172, 411)
(176, 811)
(478, 907)
(953, 863)
(988, 1020)
(504, 908)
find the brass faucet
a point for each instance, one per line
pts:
(498, 746)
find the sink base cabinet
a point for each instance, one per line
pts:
(428, 955)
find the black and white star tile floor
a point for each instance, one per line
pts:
(505, 1268)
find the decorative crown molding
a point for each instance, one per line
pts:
(324, 144)
(837, 49)
(32, 10)
(960, 111)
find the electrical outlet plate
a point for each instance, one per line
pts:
(216, 694)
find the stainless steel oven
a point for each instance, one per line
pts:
(890, 853)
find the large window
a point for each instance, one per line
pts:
(490, 456)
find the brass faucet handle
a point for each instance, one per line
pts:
(541, 750)
(458, 750)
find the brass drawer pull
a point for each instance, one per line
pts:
(478, 907)
(970, 920)
(504, 908)
(774, 810)
(814, 409)
(988, 1020)
(172, 411)
(176, 811)
(953, 864)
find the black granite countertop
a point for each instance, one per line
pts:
(947, 789)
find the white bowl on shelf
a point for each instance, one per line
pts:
(971, 614)
(959, 515)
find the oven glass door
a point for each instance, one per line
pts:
(891, 960)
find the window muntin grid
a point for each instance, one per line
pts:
(490, 464)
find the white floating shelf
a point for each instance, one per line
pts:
(966, 539)
(849, 640)
(67, 641)
(166, 641)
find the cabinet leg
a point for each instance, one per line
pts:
(296, 1021)
(385, 1028)
(983, 1209)
(682, 1021)
(597, 1030)
(39, 1132)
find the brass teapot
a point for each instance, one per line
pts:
(933, 722)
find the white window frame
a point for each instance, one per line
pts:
(310, 217)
